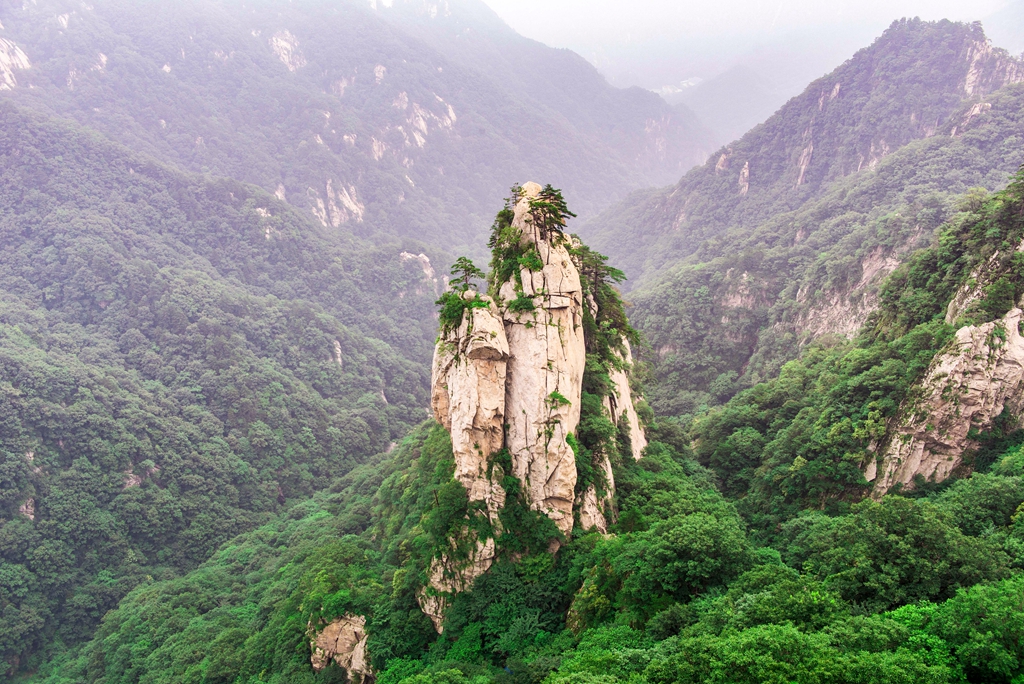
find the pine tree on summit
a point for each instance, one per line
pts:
(464, 271)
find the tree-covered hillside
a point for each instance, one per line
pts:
(733, 278)
(802, 440)
(795, 581)
(179, 357)
(347, 116)
(217, 306)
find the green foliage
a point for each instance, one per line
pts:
(677, 593)
(464, 272)
(531, 260)
(454, 304)
(173, 385)
(182, 358)
(800, 440)
(550, 212)
(230, 107)
(984, 626)
(462, 295)
(889, 553)
(676, 541)
(521, 304)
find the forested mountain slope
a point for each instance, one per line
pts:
(561, 83)
(846, 415)
(786, 235)
(794, 582)
(180, 356)
(345, 115)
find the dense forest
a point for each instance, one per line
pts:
(717, 569)
(380, 120)
(182, 357)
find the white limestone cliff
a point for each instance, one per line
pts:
(622, 406)
(595, 509)
(468, 397)
(968, 385)
(12, 58)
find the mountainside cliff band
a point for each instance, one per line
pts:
(927, 392)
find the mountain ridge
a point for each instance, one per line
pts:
(744, 276)
(376, 119)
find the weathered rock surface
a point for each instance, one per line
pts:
(513, 380)
(973, 289)
(545, 372)
(468, 398)
(623, 405)
(596, 509)
(967, 386)
(344, 642)
(12, 58)
(448, 579)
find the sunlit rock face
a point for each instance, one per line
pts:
(468, 398)
(622, 406)
(344, 642)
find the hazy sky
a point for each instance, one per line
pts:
(647, 41)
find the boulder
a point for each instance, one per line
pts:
(344, 642)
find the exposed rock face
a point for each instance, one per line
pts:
(511, 377)
(547, 357)
(286, 47)
(448, 579)
(344, 642)
(973, 289)
(12, 58)
(845, 311)
(595, 509)
(967, 387)
(623, 406)
(468, 398)
(989, 69)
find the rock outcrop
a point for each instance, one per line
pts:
(468, 399)
(509, 378)
(469, 394)
(12, 58)
(622, 406)
(967, 387)
(448, 578)
(344, 642)
(547, 354)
